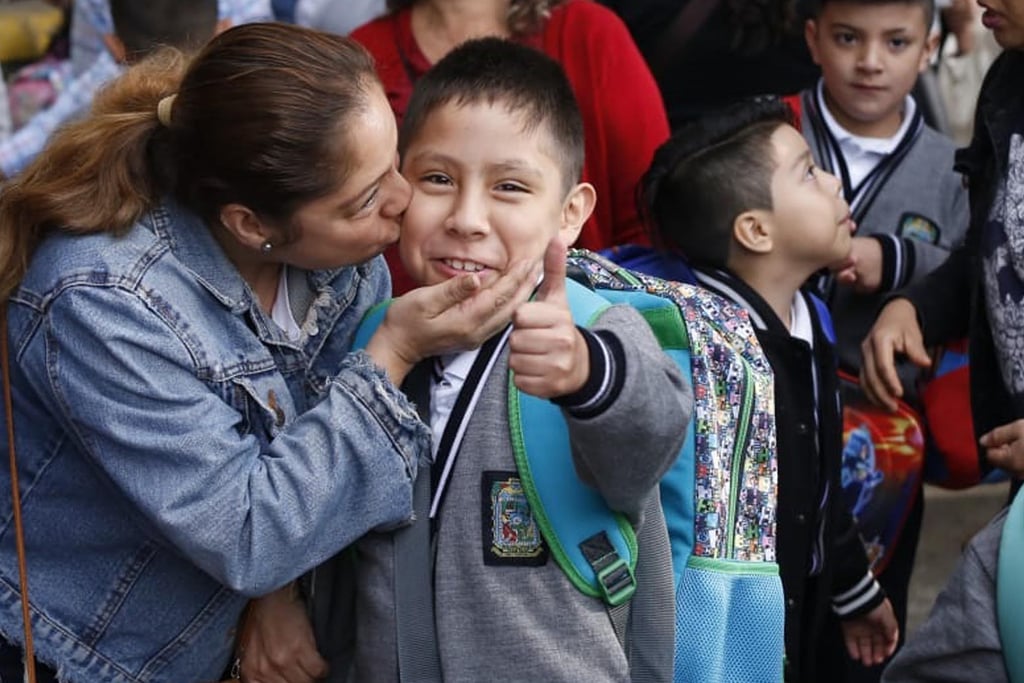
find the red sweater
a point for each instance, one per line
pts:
(623, 116)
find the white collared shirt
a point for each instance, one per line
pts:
(862, 154)
(281, 313)
(450, 373)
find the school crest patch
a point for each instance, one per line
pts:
(917, 227)
(510, 533)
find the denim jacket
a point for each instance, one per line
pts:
(177, 453)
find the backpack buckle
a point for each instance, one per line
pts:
(615, 577)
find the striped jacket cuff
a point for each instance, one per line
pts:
(860, 599)
(898, 261)
(607, 375)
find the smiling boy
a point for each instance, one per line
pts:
(897, 174)
(492, 145)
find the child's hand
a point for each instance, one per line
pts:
(453, 315)
(277, 642)
(546, 352)
(863, 269)
(872, 638)
(1004, 447)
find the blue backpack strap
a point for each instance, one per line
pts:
(595, 546)
(825, 317)
(369, 324)
(1010, 587)
(417, 653)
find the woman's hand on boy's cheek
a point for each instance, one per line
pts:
(546, 352)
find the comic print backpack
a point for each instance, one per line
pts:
(719, 498)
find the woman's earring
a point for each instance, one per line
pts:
(266, 247)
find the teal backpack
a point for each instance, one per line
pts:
(719, 498)
(1009, 587)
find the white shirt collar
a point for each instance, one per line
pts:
(800, 324)
(860, 144)
(281, 313)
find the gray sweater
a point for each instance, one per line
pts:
(918, 215)
(528, 623)
(960, 639)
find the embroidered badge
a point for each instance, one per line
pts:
(917, 227)
(510, 533)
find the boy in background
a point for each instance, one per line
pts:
(738, 193)
(909, 205)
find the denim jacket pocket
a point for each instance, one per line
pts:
(264, 402)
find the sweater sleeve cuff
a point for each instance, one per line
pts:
(860, 599)
(607, 375)
(898, 261)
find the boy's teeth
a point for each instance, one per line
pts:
(463, 265)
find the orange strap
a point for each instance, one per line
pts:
(19, 531)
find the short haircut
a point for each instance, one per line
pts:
(522, 79)
(708, 173)
(145, 25)
(928, 6)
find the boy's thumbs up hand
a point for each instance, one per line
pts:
(546, 352)
(552, 288)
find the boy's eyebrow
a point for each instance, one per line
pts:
(505, 165)
(856, 29)
(518, 166)
(804, 158)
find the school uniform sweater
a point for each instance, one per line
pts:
(912, 202)
(820, 554)
(623, 117)
(503, 609)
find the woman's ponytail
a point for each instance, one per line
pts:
(98, 174)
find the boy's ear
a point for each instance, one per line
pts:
(245, 226)
(931, 45)
(576, 209)
(752, 232)
(811, 37)
(116, 48)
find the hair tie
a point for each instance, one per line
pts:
(163, 110)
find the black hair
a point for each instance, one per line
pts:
(927, 5)
(145, 25)
(524, 80)
(708, 173)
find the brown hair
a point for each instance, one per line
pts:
(524, 16)
(255, 121)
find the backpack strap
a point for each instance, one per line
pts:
(416, 634)
(594, 546)
(1009, 587)
(598, 548)
(824, 317)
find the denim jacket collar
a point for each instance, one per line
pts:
(195, 247)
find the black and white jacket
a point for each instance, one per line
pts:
(820, 554)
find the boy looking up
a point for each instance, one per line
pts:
(738, 193)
